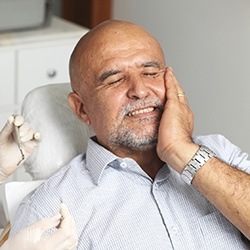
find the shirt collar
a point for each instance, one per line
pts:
(97, 159)
(162, 174)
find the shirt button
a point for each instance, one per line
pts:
(123, 164)
(175, 230)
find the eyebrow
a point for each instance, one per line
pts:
(154, 64)
(107, 74)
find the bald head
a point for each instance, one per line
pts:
(114, 66)
(101, 40)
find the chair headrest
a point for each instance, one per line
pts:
(63, 135)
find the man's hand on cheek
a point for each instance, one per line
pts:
(175, 145)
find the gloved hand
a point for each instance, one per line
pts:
(33, 237)
(10, 155)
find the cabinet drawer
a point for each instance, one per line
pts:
(41, 66)
(7, 77)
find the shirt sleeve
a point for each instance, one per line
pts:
(225, 151)
(25, 216)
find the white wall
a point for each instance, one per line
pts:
(208, 45)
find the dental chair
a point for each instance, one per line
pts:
(63, 137)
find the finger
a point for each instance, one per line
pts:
(30, 145)
(182, 98)
(35, 231)
(37, 136)
(177, 91)
(45, 224)
(175, 83)
(23, 129)
(68, 221)
(68, 225)
(65, 237)
(27, 133)
(170, 85)
(18, 120)
(28, 136)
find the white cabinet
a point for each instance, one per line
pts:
(51, 66)
(32, 58)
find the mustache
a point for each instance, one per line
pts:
(140, 104)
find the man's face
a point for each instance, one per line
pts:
(125, 94)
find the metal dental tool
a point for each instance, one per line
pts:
(18, 141)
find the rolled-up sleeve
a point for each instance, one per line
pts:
(226, 151)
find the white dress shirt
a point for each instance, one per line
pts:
(116, 205)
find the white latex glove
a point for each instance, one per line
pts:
(33, 237)
(10, 155)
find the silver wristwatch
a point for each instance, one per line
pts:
(198, 160)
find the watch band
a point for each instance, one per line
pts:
(202, 155)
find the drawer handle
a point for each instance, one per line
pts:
(51, 73)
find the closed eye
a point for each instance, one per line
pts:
(115, 81)
(152, 74)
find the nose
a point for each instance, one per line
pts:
(138, 88)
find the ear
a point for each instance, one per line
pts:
(77, 106)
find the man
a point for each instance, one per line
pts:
(126, 192)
